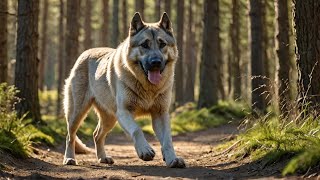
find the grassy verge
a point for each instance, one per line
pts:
(273, 139)
(17, 135)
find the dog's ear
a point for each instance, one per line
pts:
(165, 23)
(136, 24)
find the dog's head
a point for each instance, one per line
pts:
(152, 50)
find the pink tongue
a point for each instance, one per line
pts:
(154, 76)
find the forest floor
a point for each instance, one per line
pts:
(196, 148)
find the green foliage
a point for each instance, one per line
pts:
(48, 102)
(272, 139)
(189, 119)
(16, 134)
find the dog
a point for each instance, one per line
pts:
(121, 84)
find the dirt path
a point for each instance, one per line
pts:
(195, 148)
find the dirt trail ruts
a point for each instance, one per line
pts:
(196, 148)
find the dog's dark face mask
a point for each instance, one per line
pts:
(153, 66)
(152, 43)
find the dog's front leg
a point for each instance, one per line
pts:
(162, 128)
(143, 149)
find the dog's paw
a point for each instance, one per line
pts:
(145, 153)
(177, 163)
(69, 161)
(106, 160)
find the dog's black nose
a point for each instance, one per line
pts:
(155, 63)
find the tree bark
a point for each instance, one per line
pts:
(26, 73)
(115, 24)
(307, 18)
(282, 45)
(105, 24)
(235, 38)
(167, 7)
(208, 69)
(61, 58)
(257, 65)
(125, 27)
(179, 97)
(87, 25)
(4, 41)
(157, 9)
(140, 7)
(43, 47)
(72, 34)
(191, 61)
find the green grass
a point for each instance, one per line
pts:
(273, 139)
(190, 119)
(17, 135)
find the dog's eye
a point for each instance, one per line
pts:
(162, 45)
(145, 45)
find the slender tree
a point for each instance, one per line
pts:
(208, 95)
(3, 41)
(167, 7)
(191, 60)
(44, 42)
(72, 34)
(282, 44)
(26, 72)
(87, 25)
(61, 63)
(179, 67)
(157, 9)
(140, 7)
(307, 18)
(104, 33)
(115, 24)
(125, 27)
(235, 40)
(257, 65)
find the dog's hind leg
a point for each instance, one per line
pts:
(76, 104)
(105, 125)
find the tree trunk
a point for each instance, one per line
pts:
(179, 67)
(125, 27)
(267, 61)
(72, 34)
(191, 61)
(43, 48)
(167, 7)
(115, 24)
(26, 74)
(235, 38)
(257, 66)
(61, 58)
(140, 7)
(282, 45)
(157, 9)
(87, 25)
(4, 41)
(208, 69)
(307, 18)
(105, 24)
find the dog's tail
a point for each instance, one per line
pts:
(81, 148)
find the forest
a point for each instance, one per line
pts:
(245, 100)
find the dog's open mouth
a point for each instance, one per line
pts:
(154, 76)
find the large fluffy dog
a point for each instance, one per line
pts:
(123, 83)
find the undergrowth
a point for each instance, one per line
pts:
(17, 134)
(273, 138)
(188, 118)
